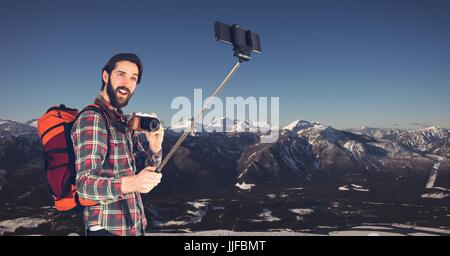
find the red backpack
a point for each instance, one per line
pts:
(54, 128)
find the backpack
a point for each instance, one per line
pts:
(54, 129)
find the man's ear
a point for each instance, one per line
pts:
(105, 77)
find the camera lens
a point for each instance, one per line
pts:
(154, 125)
(149, 123)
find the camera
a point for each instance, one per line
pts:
(144, 122)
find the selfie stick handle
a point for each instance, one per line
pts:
(188, 129)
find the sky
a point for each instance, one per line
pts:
(342, 63)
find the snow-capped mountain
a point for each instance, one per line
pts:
(227, 125)
(433, 140)
(378, 133)
(233, 126)
(15, 129)
(308, 150)
(32, 122)
(298, 125)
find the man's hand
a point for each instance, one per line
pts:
(143, 182)
(155, 138)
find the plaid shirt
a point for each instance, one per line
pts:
(100, 181)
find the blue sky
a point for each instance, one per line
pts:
(342, 63)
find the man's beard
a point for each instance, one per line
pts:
(114, 98)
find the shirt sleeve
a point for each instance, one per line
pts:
(143, 155)
(90, 143)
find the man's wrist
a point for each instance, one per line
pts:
(155, 148)
(127, 184)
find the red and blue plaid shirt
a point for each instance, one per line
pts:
(99, 176)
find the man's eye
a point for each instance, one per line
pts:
(134, 78)
(121, 74)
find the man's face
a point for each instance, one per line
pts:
(121, 83)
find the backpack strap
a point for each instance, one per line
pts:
(98, 109)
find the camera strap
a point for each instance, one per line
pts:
(118, 120)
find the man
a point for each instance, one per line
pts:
(107, 162)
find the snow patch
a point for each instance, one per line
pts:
(201, 203)
(353, 187)
(245, 186)
(421, 234)
(202, 208)
(266, 216)
(432, 175)
(299, 125)
(26, 222)
(271, 196)
(32, 123)
(372, 227)
(363, 233)
(221, 232)
(170, 223)
(344, 188)
(294, 188)
(434, 195)
(426, 229)
(302, 211)
(441, 188)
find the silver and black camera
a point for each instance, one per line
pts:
(144, 122)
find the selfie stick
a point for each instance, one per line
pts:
(188, 129)
(244, 42)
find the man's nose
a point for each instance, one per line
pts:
(126, 82)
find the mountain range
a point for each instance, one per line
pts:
(305, 152)
(313, 177)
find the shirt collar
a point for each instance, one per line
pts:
(117, 113)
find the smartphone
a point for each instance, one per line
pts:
(238, 37)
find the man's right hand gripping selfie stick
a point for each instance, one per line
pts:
(244, 42)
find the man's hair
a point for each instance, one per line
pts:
(131, 57)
